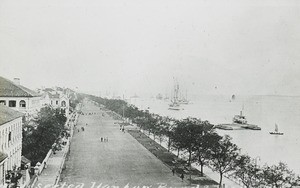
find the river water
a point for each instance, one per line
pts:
(264, 111)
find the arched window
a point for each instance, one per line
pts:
(63, 103)
(22, 104)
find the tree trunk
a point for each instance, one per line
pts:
(201, 169)
(221, 177)
(169, 144)
(201, 165)
(190, 165)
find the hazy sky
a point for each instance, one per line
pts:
(138, 46)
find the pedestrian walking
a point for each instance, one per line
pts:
(182, 177)
(45, 164)
(173, 171)
(101, 139)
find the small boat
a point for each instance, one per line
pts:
(276, 131)
(174, 108)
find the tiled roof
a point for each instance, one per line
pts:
(48, 90)
(3, 156)
(7, 114)
(9, 89)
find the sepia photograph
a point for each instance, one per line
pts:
(149, 94)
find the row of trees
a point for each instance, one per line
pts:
(75, 99)
(205, 147)
(39, 136)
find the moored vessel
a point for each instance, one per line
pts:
(276, 132)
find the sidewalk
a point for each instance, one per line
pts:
(50, 174)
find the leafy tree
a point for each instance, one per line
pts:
(75, 99)
(160, 128)
(37, 142)
(222, 156)
(187, 132)
(140, 122)
(203, 145)
(167, 129)
(294, 180)
(277, 175)
(153, 126)
(248, 172)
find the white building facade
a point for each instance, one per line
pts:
(10, 140)
(19, 98)
(57, 100)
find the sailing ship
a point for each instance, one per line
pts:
(175, 102)
(183, 100)
(276, 131)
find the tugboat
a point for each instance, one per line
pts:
(242, 121)
(239, 119)
(276, 131)
(238, 122)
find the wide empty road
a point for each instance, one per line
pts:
(118, 162)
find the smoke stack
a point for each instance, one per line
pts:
(17, 81)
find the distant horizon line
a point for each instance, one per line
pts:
(151, 95)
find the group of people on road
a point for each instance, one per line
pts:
(122, 128)
(104, 139)
(90, 113)
(82, 129)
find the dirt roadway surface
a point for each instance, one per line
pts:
(119, 161)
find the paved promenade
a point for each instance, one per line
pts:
(48, 176)
(119, 161)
